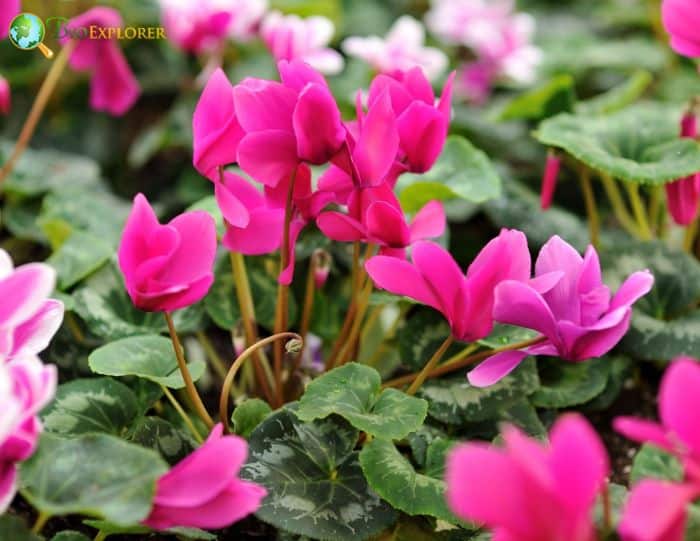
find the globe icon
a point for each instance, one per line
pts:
(27, 32)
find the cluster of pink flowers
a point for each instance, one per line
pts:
(552, 489)
(28, 321)
(500, 39)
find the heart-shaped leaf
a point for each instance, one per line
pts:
(91, 405)
(354, 392)
(658, 340)
(564, 384)
(637, 144)
(93, 474)
(652, 462)
(158, 434)
(314, 480)
(421, 336)
(248, 415)
(150, 357)
(79, 256)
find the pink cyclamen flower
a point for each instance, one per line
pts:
(402, 49)
(435, 279)
(113, 87)
(549, 179)
(167, 267)
(656, 510)
(204, 26)
(527, 491)
(683, 195)
(289, 37)
(681, 19)
(569, 304)
(26, 386)
(203, 490)
(5, 96)
(28, 318)
(9, 9)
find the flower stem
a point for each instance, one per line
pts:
(309, 294)
(101, 536)
(182, 413)
(618, 204)
(591, 209)
(41, 520)
(226, 389)
(638, 209)
(690, 234)
(429, 366)
(348, 350)
(459, 361)
(186, 376)
(42, 98)
(607, 513)
(282, 308)
(213, 355)
(655, 209)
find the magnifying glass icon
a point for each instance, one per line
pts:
(27, 32)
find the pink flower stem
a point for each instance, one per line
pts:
(186, 376)
(591, 209)
(461, 362)
(429, 366)
(226, 389)
(42, 98)
(282, 310)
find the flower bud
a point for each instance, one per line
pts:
(321, 260)
(549, 179)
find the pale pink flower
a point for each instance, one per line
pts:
(289, 37)
(403, 48)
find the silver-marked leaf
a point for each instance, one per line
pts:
(658, 340)
(454, 401)
(353, 391)
(652, 462)
(248, 415)
(461, 172)
(639, 143)
(93, 474)
(505, 335)
(421, 336)
(91, 405)
(314, 480)
(79, 256)
(150, 357)
(158, 434)
(564, 384)
(395, 479)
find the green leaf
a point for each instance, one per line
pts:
(505, 335)
(248, 415)
(393, 477)
(553, 97)
(20, 219)
(354, 392)
(461, 172)
(93, 474)
(637, 144)
(158, 434)
(108, 528)
(617, 97)
(652, 462)
(313, 476)
(421, 336)
(148, 357)
(91, 405)
(222, 302)
(13, 528)
(70, 535)
(620, 368)
(522, 414)
(657, 340)
(454, 401)
(564, 384)
(79, 256)
(618, 498)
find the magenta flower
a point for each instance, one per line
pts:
(289, 37)
(568, 303)
(203, 490)
(204, 26)
(167, 267)
(656, 510)
(26, 386)
(549, 179)
(435, 279)
(683, 194)
(9, 9)
(401, 50)
(5, 96)
(681, 19)
(527, 491)
(28, 318)
(421, 123)
(113, 87)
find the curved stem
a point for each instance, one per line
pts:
(41, 520)
(182, 413)
(186, 376)
(591, 209)
(460, 362)
(226, 389)
(429, 366)
(42, 98)
(639, 211)
(281, 313)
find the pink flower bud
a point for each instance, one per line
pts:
(4, 96)
(549, 179)
(238, 339)
(322, 261)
